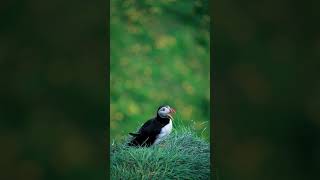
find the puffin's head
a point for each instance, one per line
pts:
(165, 111)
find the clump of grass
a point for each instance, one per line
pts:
(182, 155)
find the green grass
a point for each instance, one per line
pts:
(183, 155)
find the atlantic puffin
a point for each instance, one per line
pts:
(154, 130)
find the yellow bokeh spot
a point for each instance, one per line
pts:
(165, 41)
(133, 108)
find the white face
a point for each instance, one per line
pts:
(165, 112)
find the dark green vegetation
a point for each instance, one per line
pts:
(182, 155)
(267, 89)
(159, 55)
(53, 98)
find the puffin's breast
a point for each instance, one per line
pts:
(165, 131)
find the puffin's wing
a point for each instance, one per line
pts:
(142, 129)
(145, 126)
(151, 128)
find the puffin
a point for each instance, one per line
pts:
(155, 129)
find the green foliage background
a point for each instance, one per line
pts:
(159, 55)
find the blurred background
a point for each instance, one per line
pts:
(160, 54)
(53, 107)
(267, 89)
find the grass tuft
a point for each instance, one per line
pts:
(182, 155)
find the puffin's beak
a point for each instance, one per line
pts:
(171, 112)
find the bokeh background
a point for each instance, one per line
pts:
(267, 89)
(53, 90)
(160, 54)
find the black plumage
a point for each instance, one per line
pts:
(154, 128)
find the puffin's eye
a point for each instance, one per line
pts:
(163, 109)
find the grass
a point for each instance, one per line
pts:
(183, 155)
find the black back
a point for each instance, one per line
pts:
(147, 134)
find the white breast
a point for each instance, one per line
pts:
(165, 131)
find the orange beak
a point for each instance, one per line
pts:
(172, 110)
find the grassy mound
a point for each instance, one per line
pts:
(182, 155)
